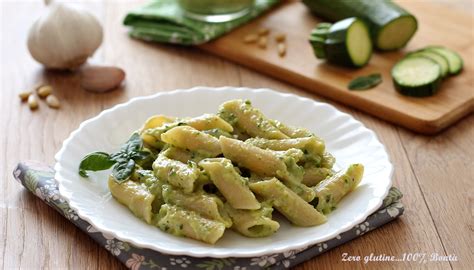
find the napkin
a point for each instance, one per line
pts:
(164, 21)
(38, 178)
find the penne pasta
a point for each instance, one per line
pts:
(207, 122)
(253, 223)
(152, 136)
(294, 208)
(328, 160)
(311, 145)
(192, 139)
(157, 121)
(135, 196)
(314, 175)
(180, 222)
(197, 176)
(330, 191)
(177, 173)
(232, 186)
(208, 206)
(250, 119)
(261, 161)
(182, 155)
(290, 131)
(268, 163)
(154, 186)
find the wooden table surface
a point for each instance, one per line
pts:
(435, 173)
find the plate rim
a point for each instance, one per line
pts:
(199, 254)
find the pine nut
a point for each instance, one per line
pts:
(44, 91)
(263, 31)
(262, 42)
(251, 38)
(281, 49)
(24, 95)
(52, 101)
(280, 37)
(32, 102)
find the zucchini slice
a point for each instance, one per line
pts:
(345, 43)
(454, 60)
(439, 59)
(417, 76)
(390, 25)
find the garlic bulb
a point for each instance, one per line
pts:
(64, 37)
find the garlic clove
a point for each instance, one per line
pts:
(64, 37)
(101, 78)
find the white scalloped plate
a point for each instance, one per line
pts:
(345, 137)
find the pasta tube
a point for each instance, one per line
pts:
(311, 145)
(253, 223)
(192, 139)
(209, 121)
(232, 186)
(216, 132)
(292, 132)
(294, 208)
(182, 154)
(268, 163)
(328, 160)
(133, 195)
(331, 190)
(157, 121)
(147, 178)
(152, 136)
(249, 119)
(159, 124)
(176, 173)
(208, 206)
(180, 222)
(314, 175)
(261, 161)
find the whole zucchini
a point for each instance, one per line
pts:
(391, 26)
(345, 43)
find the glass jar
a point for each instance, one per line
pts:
(216, 10)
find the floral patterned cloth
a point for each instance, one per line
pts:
(163, 21)
(39, 179)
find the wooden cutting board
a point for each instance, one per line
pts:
(437, 25)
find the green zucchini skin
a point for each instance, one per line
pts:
(420, 91)
(336, 44)
(377, 13)
(331, 43)
(455, 61)
(413, 90)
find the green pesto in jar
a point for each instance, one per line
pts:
(215, 6)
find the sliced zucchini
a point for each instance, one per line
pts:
(391, 26)
(345, 43)
(439, 59)
(454, 60)
(417, 76)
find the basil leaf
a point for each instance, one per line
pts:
(96, 161)
(133, 145)
(129, 149)
(140, 155)
(120, 157)
(365, 82)
(123, 159)
(123, 171)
